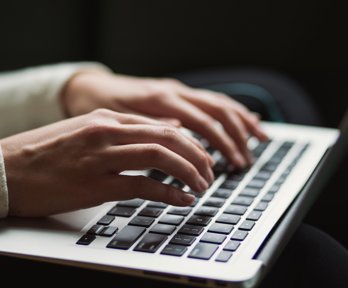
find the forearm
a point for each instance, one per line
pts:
(29, 98)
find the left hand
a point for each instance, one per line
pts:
(173, 101)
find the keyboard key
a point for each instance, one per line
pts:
(222, 193)
(263, 175)
(213, 238)
(247, 225)
(214, 202)
(150, 212)
(268, 197)
(254, 215)
(108, 231)
(230, 184)
(228, 219)
(174, 250)
(191, 230)
(184, 211)
(206, 211)
(158, 175)
(243, 200)
(236, 209)
(142, 221)
(163, 229)
(126, 237)
(203, 251)
(95, 229)
(274, 189)
(177, 183)
(157, 204)
(86, 239)
(224, 256)
(181, 239)
(239, 235)
(171, 219)
(106, 220)
(261, 206)
(199, 220)
(257, 183)
(131, 203)
(232, 245)
(150, 243)
(122, 211)
(221, 228)
(250, 191)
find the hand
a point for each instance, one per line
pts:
(76, 163)
(196, 109)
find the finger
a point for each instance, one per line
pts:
(197, 120)
(152, 156)
(172, 139)
(128, 187)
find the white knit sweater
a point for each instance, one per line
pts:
(29, 99)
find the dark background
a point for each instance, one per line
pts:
(301, 39)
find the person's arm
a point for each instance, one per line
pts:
(29, 98)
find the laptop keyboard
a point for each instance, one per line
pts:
(224, 219)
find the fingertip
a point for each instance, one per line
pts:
(186, 198)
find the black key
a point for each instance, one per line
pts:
(243, 200)
(177, 183)
(249, 191)
(228, 218)
(274, 189)
(221, 228)
(222, 193)
(131, 203)
(158, 175)
(181, 239)
(191, 230)
(247, 225)
(232, 245)
(106, 220)
(263, 175)
(86, 239)
(268, 197)
(126, 237)
(174, 250)
(261, 206)
(237, 176)
(199, 220)
(150, 243)
(184, 211)
(256, 183)
(213, 238)
(214, 202)
(230, 184)
(224, 256)
(269, 167)
(235, 209)
(163, 229)
(206, 211)
(171, 219)
(254, 215)
(95, 229)
(157, 204)
(239, 235)
(150, 212)
(142, 221)
(122, 211)
(203, 251)
(108, 231)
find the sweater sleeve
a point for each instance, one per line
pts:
(29, 98)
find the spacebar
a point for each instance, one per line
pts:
(126, 237)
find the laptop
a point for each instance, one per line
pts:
(229, 237)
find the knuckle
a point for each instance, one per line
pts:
(155, 151)
(170, 133)
(97, 127)
(102, 112)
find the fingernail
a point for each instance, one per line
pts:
(202, 184)
(187, 198)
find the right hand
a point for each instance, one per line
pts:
(76, 163)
